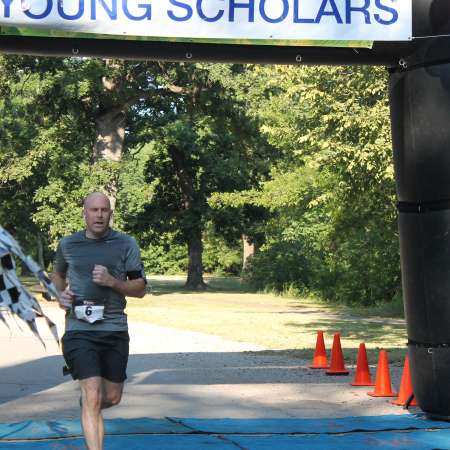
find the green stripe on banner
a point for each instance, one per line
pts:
(44, 32)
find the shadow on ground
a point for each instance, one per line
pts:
(200, 368)
(175, 285)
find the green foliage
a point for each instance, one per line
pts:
(207, 144)
(296, 158)
(277, 266)
(167, 257)
(220, 257)
(50, 108)
(332, 192)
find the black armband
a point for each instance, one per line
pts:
(136, 274)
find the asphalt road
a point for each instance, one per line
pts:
(175, 373)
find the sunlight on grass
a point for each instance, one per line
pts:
(231, 310)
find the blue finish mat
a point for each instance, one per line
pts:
(71, 427)
(312, 426)
(145, 442)
(412, 440)
(409, 432)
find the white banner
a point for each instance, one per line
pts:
(374, 20)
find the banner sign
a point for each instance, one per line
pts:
(252, 20)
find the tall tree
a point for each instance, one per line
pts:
(21, 162)
(206, 144)
(79, 113)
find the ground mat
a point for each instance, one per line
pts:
(412, 432)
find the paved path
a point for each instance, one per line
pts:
(179, 374)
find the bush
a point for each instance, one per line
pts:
(278, 266)
(165, 259)
(220, 258)
(170, 258)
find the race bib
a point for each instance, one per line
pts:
(89, 312)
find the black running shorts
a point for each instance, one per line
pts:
(96, 354)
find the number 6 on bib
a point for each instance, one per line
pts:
(89, 313)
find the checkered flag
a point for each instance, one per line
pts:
(14, 298)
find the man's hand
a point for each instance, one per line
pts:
(101, 276)
(66, 299)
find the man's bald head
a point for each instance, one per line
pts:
(97, 214)
(96, 196)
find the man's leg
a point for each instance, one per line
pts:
(112, 393)
(91, 415)
(114, 367)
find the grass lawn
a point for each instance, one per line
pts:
(230, 310)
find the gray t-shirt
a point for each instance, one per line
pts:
(76, 257)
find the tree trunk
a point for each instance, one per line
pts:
(249, 250)
(194, 234)
(110, 129)
(195, 265)
(40, 250)
(110, 136)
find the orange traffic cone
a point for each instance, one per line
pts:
(337, 366)
(320, 360)
(406, 388)
(383, 386)
(362, 375)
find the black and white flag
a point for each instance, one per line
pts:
(14, 297)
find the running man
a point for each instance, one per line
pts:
(94, 270)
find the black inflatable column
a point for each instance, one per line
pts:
(420, 112)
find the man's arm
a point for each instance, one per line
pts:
(66, 297)
(59, 280)
(128, 288)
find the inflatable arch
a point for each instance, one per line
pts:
(419, 71)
